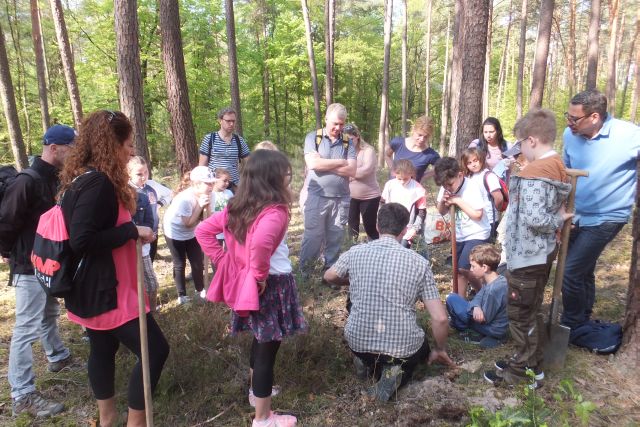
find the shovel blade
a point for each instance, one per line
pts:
(555, 351)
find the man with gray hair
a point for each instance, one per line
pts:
(331, 161)
(224, 148)
(608, 149)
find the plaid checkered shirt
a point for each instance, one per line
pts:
(385, 280)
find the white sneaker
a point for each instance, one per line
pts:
(275, 390)
(183, 299)
(203, 294)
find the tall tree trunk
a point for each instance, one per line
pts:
(329, 17)
(627, 67)
(275, 111)
(262, 37)
(446, 90)
(456, 72)
(312, 64)
(521, 58)
(502, 73)
(405, 24)
(611, 55)
(474, 45)
(384, 104)
(46, 66)
(233, 63)
(592, 54)
(542, 53)
(571, 48)
(21, 87)
(129, 74)
(10, 109)
(427, 61)
(67, 60)
(636, 92)
(631, 324)
(36, 35)
(177, 91)
(487, 66)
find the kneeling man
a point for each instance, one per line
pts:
(385, 281)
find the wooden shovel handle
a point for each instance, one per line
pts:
(454, 249)
(144, 339)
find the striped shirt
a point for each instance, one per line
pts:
(223, 154)
(385, 281)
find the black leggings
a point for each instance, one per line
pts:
(369, 211)
(262, 359)
(180, 251)
(102, 359)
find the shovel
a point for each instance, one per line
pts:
(454, 250)
(555, 351)
(144, 340)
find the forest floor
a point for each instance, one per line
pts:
(204, 381)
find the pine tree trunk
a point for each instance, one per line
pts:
(456, 72)
(262, 37)
(10, 109)
(446, 90)
(487, 66)
(611, 55)
(521, 58)
(542, 53)
(502, 73)
(233, 63)
(67, 60)
(571, 48)
(384, 104)
(21, 86)
(329, 19)
(592, 54)
(427, 61)
(129, 74)
(474, 27)
(636, 92)
(177, 91)
(275, 110)
(36, 36)
(627, 68)
(312, 64)
(405, 24)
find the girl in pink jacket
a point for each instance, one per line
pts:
(254, 276)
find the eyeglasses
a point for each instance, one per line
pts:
(573, 119)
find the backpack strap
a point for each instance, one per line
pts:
(236, 138)
(211, 136)
(319, 135)
(345, 142)
(485, 180)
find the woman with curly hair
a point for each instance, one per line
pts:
(97, 203)
(254, 276)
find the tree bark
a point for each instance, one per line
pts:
(636, 92)
(129, 74)
(384, 105)
(487, 66)
(21, 86)
(312, 63)
(542, 53)
(627, 67)
(611, 55)
(446, 90)
(521, 58)
(36, 36)
(502, 73)
(631, 325)
(10, 109)
(262, 37)
(234, 83)
(592, 54)
(67, 60)
(456, 72)
(474, 45)
(178, 103)
(427, 61)
(571, 48)
(329, 16)
(405, 24)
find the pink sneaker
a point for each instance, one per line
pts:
(276, 420)
(275, 390)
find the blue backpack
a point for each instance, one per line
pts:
(597, 336)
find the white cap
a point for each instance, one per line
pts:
(202, 174)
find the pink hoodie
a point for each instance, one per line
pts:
(241, 266)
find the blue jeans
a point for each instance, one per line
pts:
(325, 219)
(461, 314)
(36, 319)
(579, 284)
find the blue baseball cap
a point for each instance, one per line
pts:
(59, 135)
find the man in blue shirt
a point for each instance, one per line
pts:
(608, 149)
(330, 161)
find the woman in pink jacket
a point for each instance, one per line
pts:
(254, 275)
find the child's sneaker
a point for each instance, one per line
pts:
(276, 420)
(203, 294)
(275, 390)
(501, 365)
(36, 405)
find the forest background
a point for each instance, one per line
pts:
(276, 95)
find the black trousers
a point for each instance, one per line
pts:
(368, 209)
(262, 360)
(180, 251)
(376, 361)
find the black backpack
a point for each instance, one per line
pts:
(8, 174)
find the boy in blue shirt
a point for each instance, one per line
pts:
(486, 313)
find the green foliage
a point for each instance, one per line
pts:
(569, 409)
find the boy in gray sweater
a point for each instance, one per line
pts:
(536, 212)
(486, 313)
